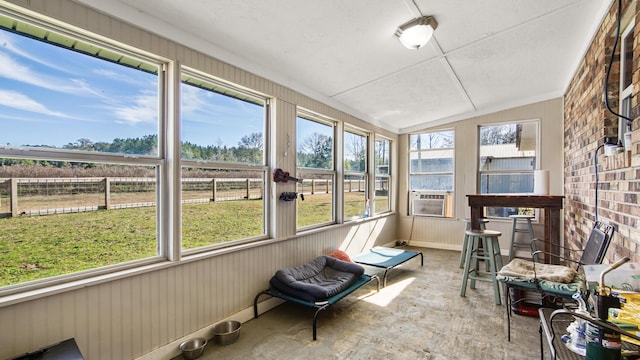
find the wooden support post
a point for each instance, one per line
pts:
(13, 196)
(107, 193)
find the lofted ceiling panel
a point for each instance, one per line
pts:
(522, 64)
(485, 55)
(414, 95)
(463, 22)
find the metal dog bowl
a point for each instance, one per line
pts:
(193, 348)
(226, 332)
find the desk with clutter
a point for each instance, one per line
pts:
(609, 329)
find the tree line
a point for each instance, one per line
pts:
(249, 150)
(314, 151)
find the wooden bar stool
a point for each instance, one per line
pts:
(515, 229)
(483, 226)
(482, 245)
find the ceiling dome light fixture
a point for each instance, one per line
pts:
(416, 33)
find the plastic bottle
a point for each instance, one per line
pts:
(578, 339)
(367, 208)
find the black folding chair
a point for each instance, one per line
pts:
(532, 275)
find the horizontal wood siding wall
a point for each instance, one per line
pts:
(130, 317)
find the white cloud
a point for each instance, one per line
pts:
(85, 88)
(16, 100)
(113, 75)
(143, 110)
(7, 43)
(11, 69)
(202, 106)
(190, 99)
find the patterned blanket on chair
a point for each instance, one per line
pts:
(523, 270)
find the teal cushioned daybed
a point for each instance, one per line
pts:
(318, 284)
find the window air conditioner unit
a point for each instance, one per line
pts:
(430, 203)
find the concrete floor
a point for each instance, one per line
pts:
(419, 315)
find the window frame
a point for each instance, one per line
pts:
(388, 176)
(434, 173)
(303, 172)
(228, 89)
(364, 174)
(481, 172)
(69, 155)
(625, 93)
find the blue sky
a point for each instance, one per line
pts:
(53, 96)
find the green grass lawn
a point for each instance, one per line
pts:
(216, 222)
(37, 247)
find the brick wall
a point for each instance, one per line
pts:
(587, 122)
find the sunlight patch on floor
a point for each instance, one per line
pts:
(387, 294)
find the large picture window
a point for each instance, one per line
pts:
(315, 164)
(508, 156)
(224, 170)
(79, 159)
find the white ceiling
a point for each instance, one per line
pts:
(485, 56)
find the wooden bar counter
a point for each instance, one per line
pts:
(552, 205)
